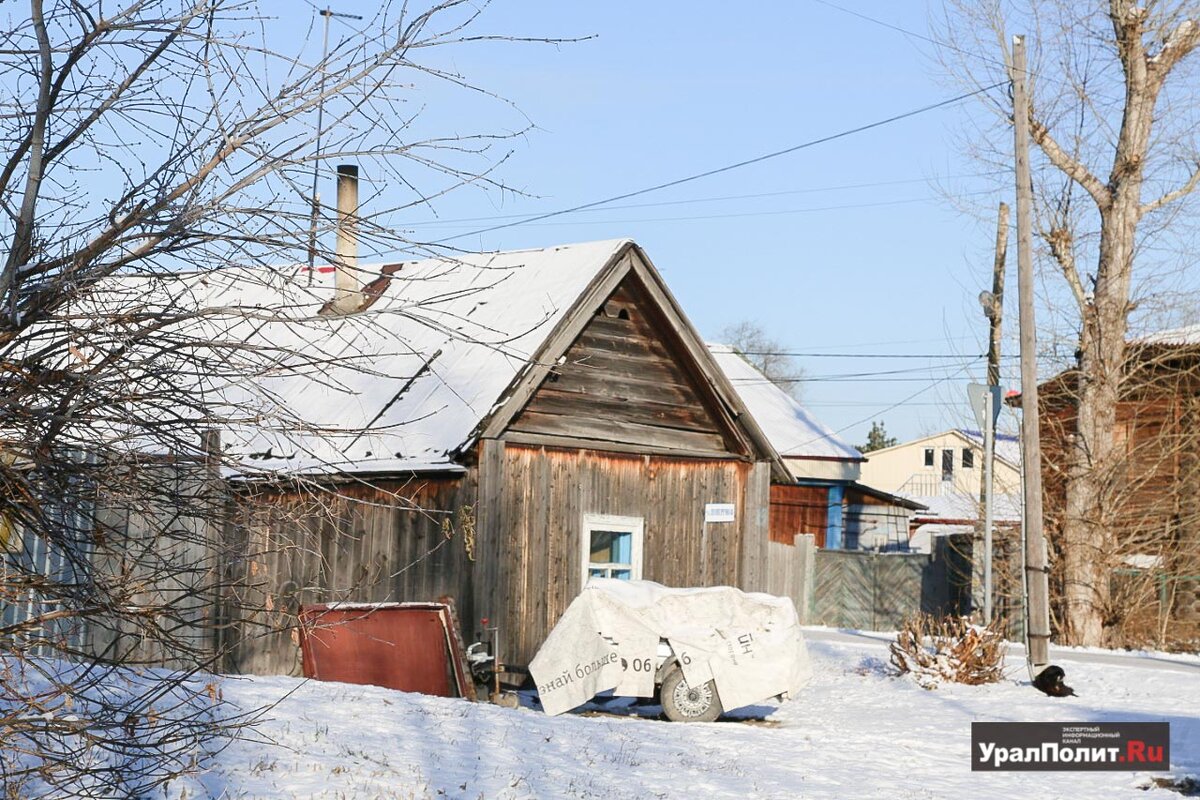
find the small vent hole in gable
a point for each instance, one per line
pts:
(609, 310)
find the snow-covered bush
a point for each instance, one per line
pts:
(951, 649)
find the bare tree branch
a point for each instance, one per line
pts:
(1071, 166)
(1170, 197)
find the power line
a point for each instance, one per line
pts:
(726, 168)
(835, 404)
(722, 198)
(882, 411)
(913, 34)
(792, 354)
(951, 356)
(741, 214)
(865, 378)
(935, 340)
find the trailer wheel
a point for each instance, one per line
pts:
(684, 703)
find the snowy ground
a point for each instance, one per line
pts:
(857, 731)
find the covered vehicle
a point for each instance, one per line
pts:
(701, 650)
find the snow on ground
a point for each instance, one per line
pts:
(856, 731)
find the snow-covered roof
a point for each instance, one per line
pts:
(397, 387)
(1186, 335)
(791, 429)
(1008, 447)
(961, 506)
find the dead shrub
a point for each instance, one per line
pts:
(951, 649)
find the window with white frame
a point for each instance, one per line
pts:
(612, 547)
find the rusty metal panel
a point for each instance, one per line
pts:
(412, 647)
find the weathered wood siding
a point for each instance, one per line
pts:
(393, 541)
(1151, 497)
(791, 572)
(166, 552)
(798, 509)
(622, 382)
(533, 501)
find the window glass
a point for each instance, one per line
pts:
(612, 547)
(947, 465)
(968, 458)
(929, 456)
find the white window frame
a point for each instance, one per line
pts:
(612, 522)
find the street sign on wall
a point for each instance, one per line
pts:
(719, 512)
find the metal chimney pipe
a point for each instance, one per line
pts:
(347, 287)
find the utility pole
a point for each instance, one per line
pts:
(993, 309)
(1037, 579)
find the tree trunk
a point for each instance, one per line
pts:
(1088, 544)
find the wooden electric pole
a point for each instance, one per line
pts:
(996, 313)
(993, 309)
(1037, 579)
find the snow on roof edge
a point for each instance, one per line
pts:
(790, 428)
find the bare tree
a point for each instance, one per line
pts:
(152, 137)
(1113, 115)
(766, 354)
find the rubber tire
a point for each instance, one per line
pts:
(672, 681)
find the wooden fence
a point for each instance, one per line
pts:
(875, 591)
(790, 572)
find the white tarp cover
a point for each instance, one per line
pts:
(750, 645)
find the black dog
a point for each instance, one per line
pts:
(1050, 681)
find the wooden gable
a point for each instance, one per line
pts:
(625, 380)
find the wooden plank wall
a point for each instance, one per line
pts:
(756, 530)
(1150, 499)
(621, 383)
(356, 543)
(1155, 432)
(164, 551)
(798, 509)
(530, 564)
(791, 573)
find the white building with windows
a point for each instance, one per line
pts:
(947, 463)
(944, 472)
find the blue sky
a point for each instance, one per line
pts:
(846, 247)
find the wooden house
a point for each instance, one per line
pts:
(824, 496)
(1151, 498)
(495, 427)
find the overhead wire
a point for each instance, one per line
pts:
(741, 214)
(933, 385)
(913, 34)
(794, 354)
(720, 198)
(726, 168)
